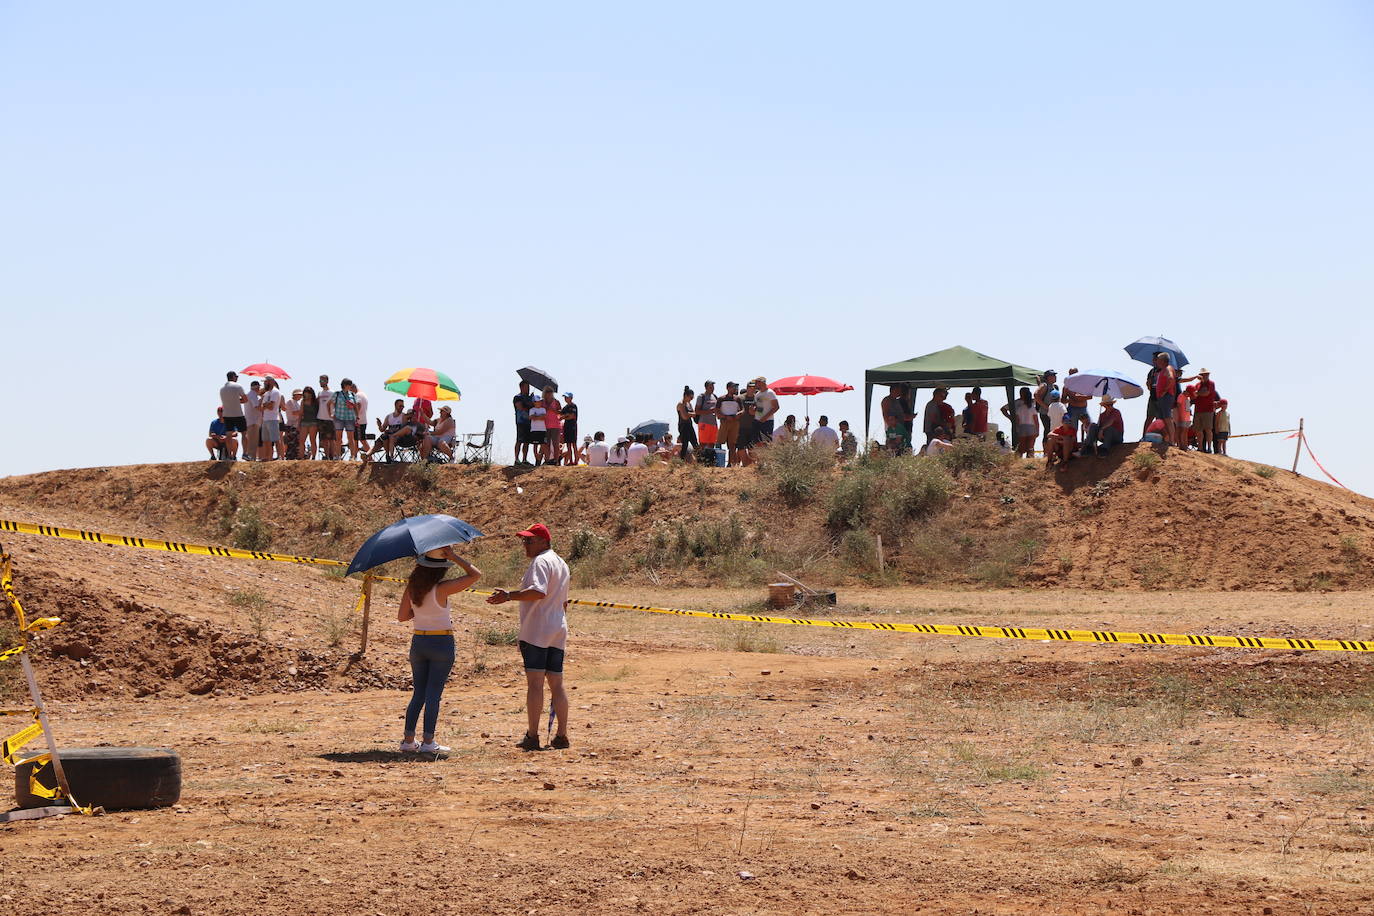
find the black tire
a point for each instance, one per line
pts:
(111, 777)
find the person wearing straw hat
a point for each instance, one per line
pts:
(1109, 430)
(543, 598)
(424, 603)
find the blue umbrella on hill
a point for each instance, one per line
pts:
(1097, 382)
(654, 428)
(411, 537)
(1144, 350)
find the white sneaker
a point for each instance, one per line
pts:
(433, 747)
(409, 747)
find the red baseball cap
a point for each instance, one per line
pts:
(539, 530)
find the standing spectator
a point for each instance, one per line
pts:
(360, 431)
(310, 422)
(1108, 431)
(976, 422)
(1151, 414)
(938, 414)
(895, 417)
(232, 398)
(539, 433)
(553, 427)
(269, 420)
(597, 451)
(522, 403)
(744, 442)
(1221, 425)
(765, 407)
(568, 413)
(635, 454)
(824, 437)
(328, 441)
(1076, 405)
(727, 416)
(686, 434)
(1048, 386)
(1183, 416)
(222, 443)
(252, 414)
(1056, 410)
(1204, 410)
(291, 432)
(1025, 423)
(849, 443)
(704, 412)
(1165, 395)
(445, 430)
(543, 598)
(425, 604)
(346, 418)
(424, 411)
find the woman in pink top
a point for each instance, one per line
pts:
(425, 604)
(553, 424)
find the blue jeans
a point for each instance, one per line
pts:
(431, 659)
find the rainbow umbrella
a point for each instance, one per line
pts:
(424, 383)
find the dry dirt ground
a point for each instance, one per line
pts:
(715, 768)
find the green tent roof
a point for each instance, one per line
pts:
(957, 367)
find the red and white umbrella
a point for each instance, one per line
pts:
(262, 370)
(808, 385)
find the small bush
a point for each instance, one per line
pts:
(256, 608)
(625, 521)
(881, 492)
(331, 521)
(586, 543)
(859, 548)
(974, 456)
(335, 627)
(1145, 461)
(646, 500)
(497, 635)
(1266, 471)
(422, 476)
(249, 531)
(749, 637)
(796, 469)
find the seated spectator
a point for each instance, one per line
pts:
(597, 453)
(1108, 431)
(445, 430)
(635, 454)
(387, 426)
(788, 431)
(1003, 446)
(940, 442)
(404, 435)
(619, 455)
(222, 444)
(1060, 446)
(824, 437)
(849, 443)
(1155, 431)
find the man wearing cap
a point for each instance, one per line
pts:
(543, 598)
(1204, 398)
(231, 399)
(765, 406)
(1049, 382)
(704, 412)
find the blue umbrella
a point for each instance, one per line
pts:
(411, 537)
(655, 428)
(1144, 350)
(1096, 382)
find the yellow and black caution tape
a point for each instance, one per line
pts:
(1039, 634)
(10, 747)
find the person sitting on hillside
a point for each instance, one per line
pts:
(940, 442)
(1108, 431)
(387, 427)
(788, 431)
(1059, 448)
(635, 454)
(620, 454)
(975, 414)
(222, 444)
(597, 452)
(938, 414)
(849, 443)
(442, 436)
(1155, 431)
(825, 438)
(404, 435)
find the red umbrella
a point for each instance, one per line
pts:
(808, 385)
(262, 370)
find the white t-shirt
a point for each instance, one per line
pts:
(765, 401)
(616, 458)
(395, 420)
(229, 397)
(326, 411)
(293, 412)
(782, 434)
(1056, 412)
(825, 437)
(542, 622)
(938, 447)
(537, 413)
(362, 408)
(270, 406)
(251, 410)
(597, 453)
(638, 452)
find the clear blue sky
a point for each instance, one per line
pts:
(638, 196)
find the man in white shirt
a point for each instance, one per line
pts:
(269, 420)
(635, 454)
(252, 415)
(329, 441)
(362, 420)
(543, 598)
(765, 406)
(598, 452)
(825, 438)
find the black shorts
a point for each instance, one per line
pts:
(570, 431)
(235, 424)
(542, 658)
(536, 436)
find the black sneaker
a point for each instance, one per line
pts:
(529, 743)
(560, 743)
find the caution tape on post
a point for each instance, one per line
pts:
(10, 747)
(1038, 634)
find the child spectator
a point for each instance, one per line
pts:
(1062, 440)
(538, 430)
(1056, 409)
(1221, 425)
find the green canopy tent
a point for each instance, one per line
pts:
(957, 367)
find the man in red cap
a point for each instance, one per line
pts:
(543, 598)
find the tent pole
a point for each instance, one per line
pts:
(1011, 420)
(868, 409)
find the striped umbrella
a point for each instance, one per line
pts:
(424, 383)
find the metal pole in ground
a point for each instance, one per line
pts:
(42, 712)
(1297, 451)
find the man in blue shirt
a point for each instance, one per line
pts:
(522, 403)
(221, 438)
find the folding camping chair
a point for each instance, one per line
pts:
(477, 446)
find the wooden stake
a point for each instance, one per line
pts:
(1297, 452)
(367, 610)
(879, 538)
(42, 711)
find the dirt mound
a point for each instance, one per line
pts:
(1176, 520)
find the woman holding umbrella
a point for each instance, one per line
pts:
(425, 604)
